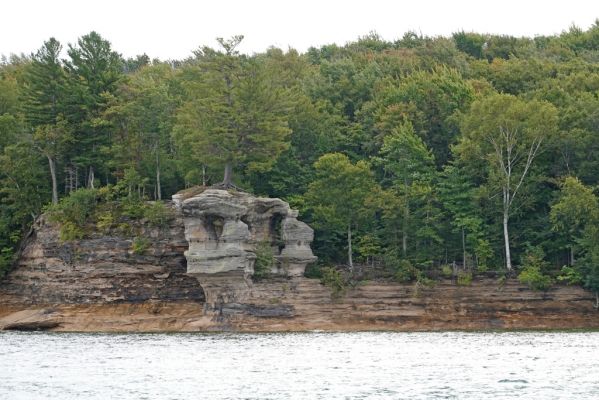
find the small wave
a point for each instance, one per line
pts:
(513, 381)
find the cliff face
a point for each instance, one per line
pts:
(196, 275)
(299, 304)
(101, 269)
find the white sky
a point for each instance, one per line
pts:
(172, 28)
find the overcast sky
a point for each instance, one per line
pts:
(170, 29)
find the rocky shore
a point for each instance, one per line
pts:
(196, 275)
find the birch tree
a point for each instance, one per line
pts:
(505, 134)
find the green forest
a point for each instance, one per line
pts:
(421, 156)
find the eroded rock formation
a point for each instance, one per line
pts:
(102, 268)
(101, 284)
(224, 230)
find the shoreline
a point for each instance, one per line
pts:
(307, 306)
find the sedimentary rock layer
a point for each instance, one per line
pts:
(101, 269)
(300, 304)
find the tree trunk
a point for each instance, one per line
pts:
(228, 178)
(404, 239)
(572, 260)
(203, 175)
(349, 249)
(158, 188)
(506, 237)
(464, 249)
(52, 164)
(90, 181)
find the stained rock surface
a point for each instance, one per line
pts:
(101, 284)
(225, 228)
(102, 268)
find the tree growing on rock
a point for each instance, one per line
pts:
(236, 115)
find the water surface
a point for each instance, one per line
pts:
(375, 365)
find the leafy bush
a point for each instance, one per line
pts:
(140, 245)
(403, 270)
(157, 214)
(333, 279)
(570, 275)
(447, 271)
(265, 260)
(73, 212)
(70, 231)
(132, 208)
(532, 271)
(464, 278)
(105, 221)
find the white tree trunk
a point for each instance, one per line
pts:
(90, 182)
(158, 188)
(52, 165)
(349, 248)
(506, 237)
(228, 178)
(464, 248)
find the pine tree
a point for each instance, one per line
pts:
(235, 116)
(44, 92)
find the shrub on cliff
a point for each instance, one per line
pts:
(73, 212)
(107, 208)
(6, 258)
(532, 271)
(265, 260)
(333, 279)
(157, 214)
(403, 270)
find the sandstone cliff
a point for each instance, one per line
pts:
(196, 275)
(101, 269)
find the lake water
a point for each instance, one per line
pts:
(525, 365)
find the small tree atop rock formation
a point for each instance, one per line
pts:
(234, 116)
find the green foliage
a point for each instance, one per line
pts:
(157, 214)
(334, 280)
(105, 221)
(446, 271)
(403, 270)
(533, 267)
(235, 114)
(464, 278)
(570, 275)
(265, 260)
(73, 213)
(339, 194)
(140, 244)
(6, 260)
(400, 147)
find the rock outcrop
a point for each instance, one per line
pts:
(102, 269)
(300, 304)
(195, 275)
(224, 230)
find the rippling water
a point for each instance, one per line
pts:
(300, 366)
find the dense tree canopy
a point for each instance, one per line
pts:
(470, 151)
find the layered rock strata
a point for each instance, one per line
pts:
(102, 269)
(224, 230)
(102, 284)
(309, 306)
